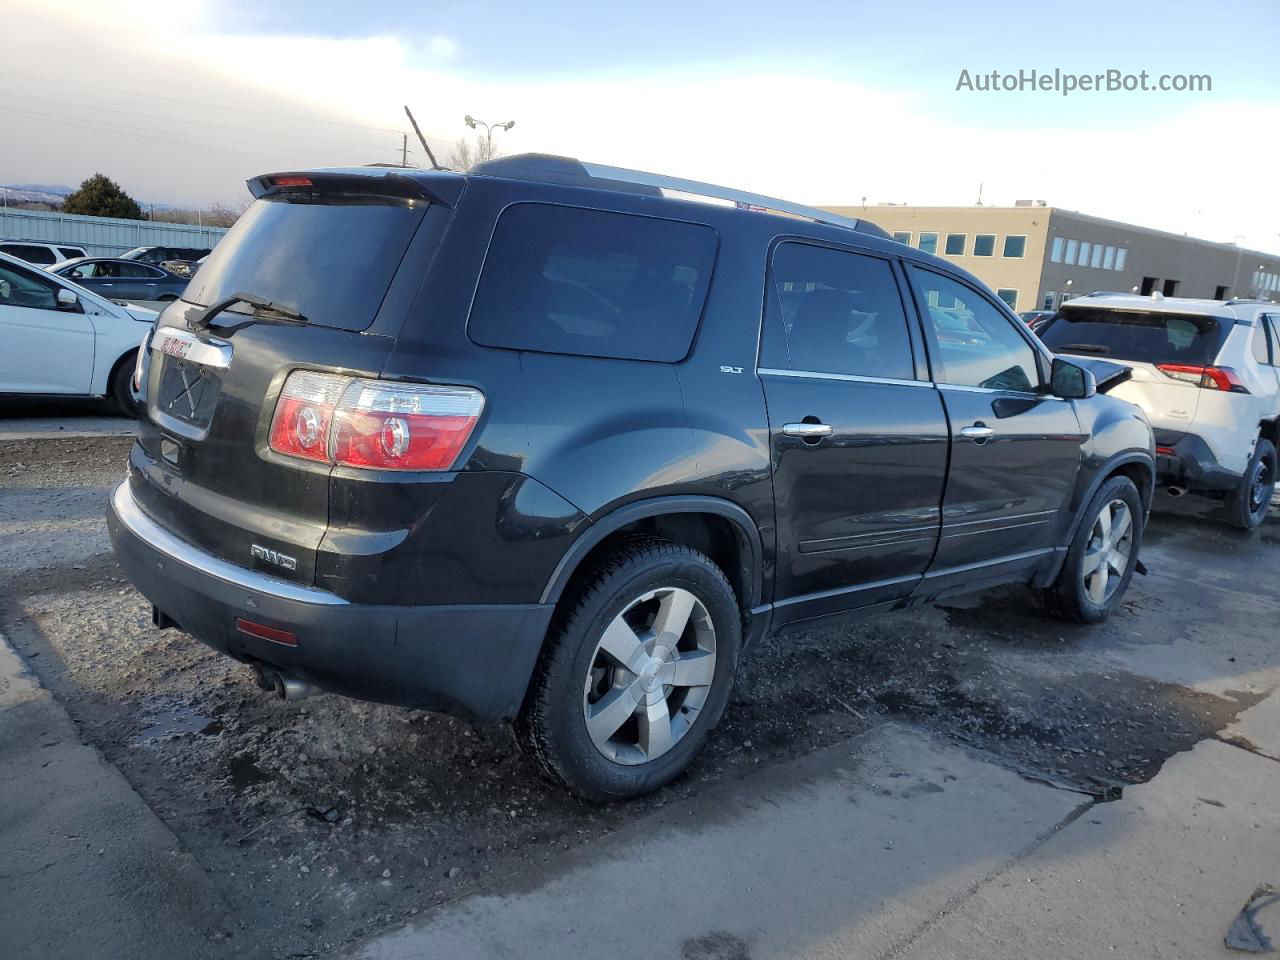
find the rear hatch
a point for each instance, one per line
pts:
(1146, 341)
(325, 252)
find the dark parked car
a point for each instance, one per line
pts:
(122, 279)
(41, 254)
(522, 444)
(158, 255)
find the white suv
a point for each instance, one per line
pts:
(1206, 373)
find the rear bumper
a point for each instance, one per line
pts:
(1188, 462)
(472, 660)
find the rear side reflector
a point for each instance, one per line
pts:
(373, 424)
(1207, 378)
(1165, 451)
(263, 632)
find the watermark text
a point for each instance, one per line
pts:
(1066, 83)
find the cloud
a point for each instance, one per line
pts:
(792, 131)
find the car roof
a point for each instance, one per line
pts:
(1191, 306)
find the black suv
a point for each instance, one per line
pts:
(542, 442)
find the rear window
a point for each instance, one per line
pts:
(331, 261)
(586, 282)
(1145, 337)
(70, 253)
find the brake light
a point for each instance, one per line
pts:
(400, 426)
(1208, 378)
(291, 181)
(373, 424)
(304, 413)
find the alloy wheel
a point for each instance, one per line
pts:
(650, 676)
(1106, 555)
(1262, 485)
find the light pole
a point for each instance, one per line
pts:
(1235, 277)
(472, 122)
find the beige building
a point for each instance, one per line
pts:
(1035, 256)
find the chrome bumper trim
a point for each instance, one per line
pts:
(151, 533)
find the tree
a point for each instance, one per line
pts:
(101, 196)
(466, 155)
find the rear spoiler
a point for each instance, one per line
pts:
(361, 182)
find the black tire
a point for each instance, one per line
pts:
(1249, 503)
(1069, 597)
(121, 388)
(552, 726)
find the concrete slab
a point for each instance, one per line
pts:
(1159, 873)
(838, 855)
(49, 428)
(1258, 728)
(86, 869)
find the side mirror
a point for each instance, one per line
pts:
(6, 289)
(67, 300)
(1071, 381)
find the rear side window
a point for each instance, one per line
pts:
(70, 253)
(29, 252)
(331, 258)
(586, 282)
(1261, 348)
(830, 311)
(1142, 336)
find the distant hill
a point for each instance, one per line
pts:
(53, 194)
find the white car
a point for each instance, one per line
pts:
(1207, 373)
(40, 253)
(58, 339)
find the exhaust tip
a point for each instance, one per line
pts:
(291, 688)
(1177, 491)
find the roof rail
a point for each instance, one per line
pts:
(567, 170)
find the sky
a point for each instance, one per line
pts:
(817, 102)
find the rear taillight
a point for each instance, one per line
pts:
(139, 361)
(304, 413)
(395, 426)
(374, 424)
(1209, 378)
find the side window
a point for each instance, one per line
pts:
(977, 344)
(587, 282)
(83, 271)
(1261, 348)
(1272, 322)
(835, 312)
(30, 253)
(70, 253)
(21, 288)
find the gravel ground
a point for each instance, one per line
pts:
(327, 819)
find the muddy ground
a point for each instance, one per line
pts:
(327, 819)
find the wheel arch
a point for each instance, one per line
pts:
(1138, 466)
(719, 528)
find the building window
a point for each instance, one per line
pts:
(1085, 247)
(1072, 247)
(1048, 302)
(1015, 247)
(1056, 255)
(902, 236)
(1109, 258)
(1220, 292)
(1121, 253)
(955, 244)
(1096, 262)
(929, 242)
(984, 245)
(1008, 296)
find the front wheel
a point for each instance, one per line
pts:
(1102, 555)
(636, 673)
(121, 387)
(1248, 504)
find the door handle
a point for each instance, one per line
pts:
(806, 431)
(979, 431)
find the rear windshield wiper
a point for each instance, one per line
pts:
(260, 306)
(1083, 348)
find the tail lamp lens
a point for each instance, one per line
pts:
(304, 413)
(373, 424)
(390, 426)
(1208, 378)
